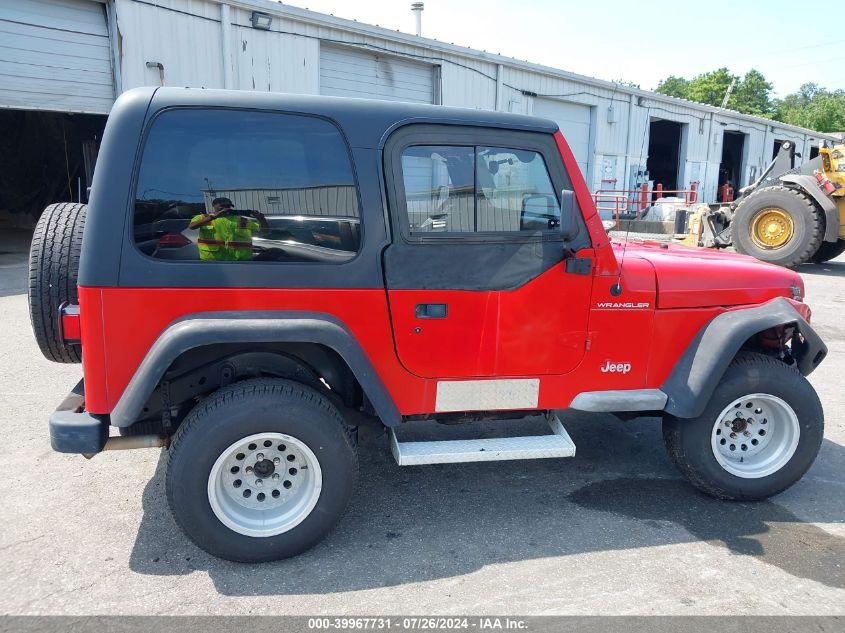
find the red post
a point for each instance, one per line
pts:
(644, 197)
(693, 193)
(658, 191)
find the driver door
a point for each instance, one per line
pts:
(476, 276)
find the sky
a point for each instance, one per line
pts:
(640, 42)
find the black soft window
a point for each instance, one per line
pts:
(477, 189)
(284, 182)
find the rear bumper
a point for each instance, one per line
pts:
(73, 430)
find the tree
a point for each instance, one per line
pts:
(674, 87)
(751, 94)
(813, 107)
(711, 87)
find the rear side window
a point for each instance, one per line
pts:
(476, 189)
(242, 186)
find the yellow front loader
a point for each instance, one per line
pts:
(787, 217)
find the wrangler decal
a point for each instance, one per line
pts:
(617, 305)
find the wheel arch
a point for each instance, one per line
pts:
(309, 330)
(705, 360)
(810, 186)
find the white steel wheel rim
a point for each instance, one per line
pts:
(755, 436)
(252, 498)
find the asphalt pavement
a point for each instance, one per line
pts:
(614, 530)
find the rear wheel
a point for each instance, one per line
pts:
(758, 435)
(829, 250)
(778, 225)
(261, 470)
(53, 269)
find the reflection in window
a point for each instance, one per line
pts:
(439, 188)
(226, 185)
(477, 189)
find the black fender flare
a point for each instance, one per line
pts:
(810, 186)
(702, 365)
(210, 328)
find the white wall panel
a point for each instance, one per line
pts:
(349, 72)
(55, 55)
(573, 119)
(465, 88)
(275, 62)
(183, 35)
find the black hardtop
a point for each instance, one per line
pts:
(109, 257)
(365, 122)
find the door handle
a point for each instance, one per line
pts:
(432, 310)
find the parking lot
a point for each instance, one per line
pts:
(612, 531)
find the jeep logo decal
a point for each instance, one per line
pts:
(615, 368)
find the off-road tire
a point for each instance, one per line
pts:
(688, 440)
(807, 221)
(242, 409)
(53, 270)
(829, 250)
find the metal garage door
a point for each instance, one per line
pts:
(55, 55)
(574, 121)
(347, 72)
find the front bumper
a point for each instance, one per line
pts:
(808, 349)
(74, 430)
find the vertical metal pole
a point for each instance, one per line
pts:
(114, 35)
(226, 45)
(765, 161)
(417, 8)
(626, 176)
(500, 71)
(705, 177)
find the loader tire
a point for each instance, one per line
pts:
(829, 250)
(793, 235)
(53, 269)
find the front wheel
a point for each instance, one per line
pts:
(758, 435)
(261, 470)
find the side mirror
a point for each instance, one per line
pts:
(568, 226)
(539, 213)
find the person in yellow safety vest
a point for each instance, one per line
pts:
(225, 235)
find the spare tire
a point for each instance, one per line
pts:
(53, 270)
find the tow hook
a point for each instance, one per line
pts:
(126, 443)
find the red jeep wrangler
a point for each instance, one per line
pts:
(355, 261)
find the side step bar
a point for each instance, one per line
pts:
(558, 444)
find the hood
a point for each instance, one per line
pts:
(690, 277)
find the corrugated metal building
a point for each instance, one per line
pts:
(74, 56)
